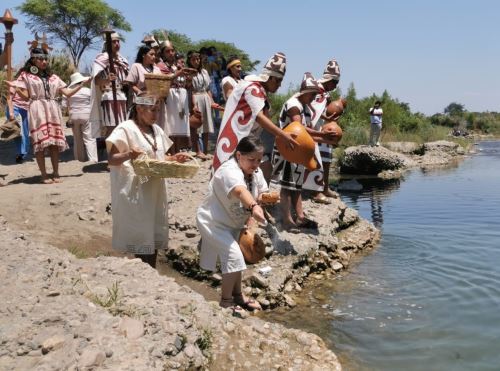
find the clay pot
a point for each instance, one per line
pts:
(332, 127)
(302, 154)
(251, 245)
(195, 121)
(336, 108)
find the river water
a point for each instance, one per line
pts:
(428, 297)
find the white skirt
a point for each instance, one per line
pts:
(219, 242)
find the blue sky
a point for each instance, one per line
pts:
(426, 53)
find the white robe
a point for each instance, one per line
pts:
(139, 210)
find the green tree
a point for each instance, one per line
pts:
(76, 24)
(454, 109)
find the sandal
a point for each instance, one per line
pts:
(248, 304)
(290, 228)
(237, 310)
(320, 198)
(307, 223)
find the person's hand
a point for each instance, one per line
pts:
(258, 214)
(10, 84)
(134, 153)
(181, 157)
(290, 140)
(111, 77)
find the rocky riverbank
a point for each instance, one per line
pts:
(62, 313)
(75, 313)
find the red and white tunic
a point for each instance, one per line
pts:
(45, 117)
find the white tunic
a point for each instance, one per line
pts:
(221, 217)
(139, 210)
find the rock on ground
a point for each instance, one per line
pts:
(60, 312)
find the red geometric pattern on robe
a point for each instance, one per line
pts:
(245, 102)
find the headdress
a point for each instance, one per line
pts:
(166, 43)
(151, 41)
(332, 72)
(309, 84)
(39, 43)
(275, 66)
(145, 100)
(234, 62)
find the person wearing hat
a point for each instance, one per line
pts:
(103, 108)
(290, 176)
(139, 205)
(244, 113)
(317, 180)
(41, 87)
(84, 144)
(176, 112)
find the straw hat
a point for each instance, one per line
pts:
(77, 78)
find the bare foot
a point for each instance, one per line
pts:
(57, 178)
(46, 180)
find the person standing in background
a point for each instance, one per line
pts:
(84, 144)
(375, 124)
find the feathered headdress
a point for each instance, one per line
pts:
(39, 42)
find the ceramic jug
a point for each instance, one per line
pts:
(302, 154)
(332, 127)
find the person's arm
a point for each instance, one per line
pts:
(67, 92)
(269, 126)
(116, 158)
(248, 202)
(22, 92)
(228, 89)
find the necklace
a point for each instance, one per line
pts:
(153, 144)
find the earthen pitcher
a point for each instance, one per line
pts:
(302, 154)
(332, 127)
(251, 245)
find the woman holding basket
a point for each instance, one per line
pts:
(139, 205)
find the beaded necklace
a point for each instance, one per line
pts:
(153, 144)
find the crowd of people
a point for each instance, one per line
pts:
(113, 104)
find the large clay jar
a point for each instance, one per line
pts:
(195, 120)
(336, 108)
(302, 154)
(332, 127)
(251, 245)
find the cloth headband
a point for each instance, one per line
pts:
(233, 63)
(145, 101)
(40, 55)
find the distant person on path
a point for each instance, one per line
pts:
(84, 144)
(375, 124)
(231, 203)
(139, 208)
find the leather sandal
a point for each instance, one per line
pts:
(248, 304)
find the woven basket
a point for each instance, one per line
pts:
(165, 169)
(158, 83)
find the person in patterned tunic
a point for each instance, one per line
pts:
(40, 87)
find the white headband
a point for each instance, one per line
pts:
(145, 101)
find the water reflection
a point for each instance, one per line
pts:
(375, 191)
